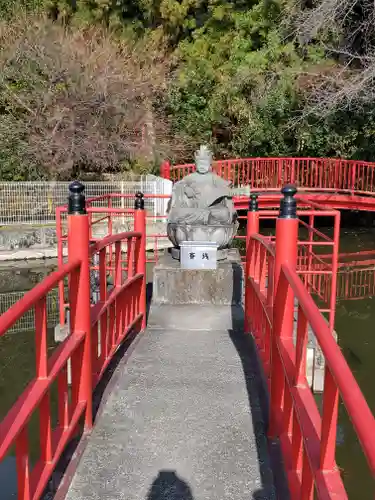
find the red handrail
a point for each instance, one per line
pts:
(356, 405)
(308, 439)
(114, 238)
(265, 243)
(117, 313)
(32, 297)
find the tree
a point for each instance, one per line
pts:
(77, 99)
(259, 77)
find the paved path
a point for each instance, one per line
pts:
(184, 419)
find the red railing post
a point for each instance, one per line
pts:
(165, 170)
(252, 227)
(283, 310)
(334, 269)
(309, 280)
(60, 262)
(79, 297)
(353, 177)
(140, 226)
(293, 172)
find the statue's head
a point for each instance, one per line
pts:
(203, 160)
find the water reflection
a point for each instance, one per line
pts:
(8, 478)
(355, 320)
(17, 354)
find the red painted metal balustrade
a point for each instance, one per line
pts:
(314, 174)
(307, 437)
(106, 213)
(280, 271)
(317, 257)
(318, 275)
(96, 332)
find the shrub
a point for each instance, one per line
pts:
(75, 100)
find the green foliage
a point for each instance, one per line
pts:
(239, 85)
(237, 76)
(9, 8)
(240, 79)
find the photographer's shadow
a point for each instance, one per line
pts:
(168, 486)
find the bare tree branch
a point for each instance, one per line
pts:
(83, 97)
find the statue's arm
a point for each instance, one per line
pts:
(177, 196)
(189, 191)
(170, 204)
(220, 182)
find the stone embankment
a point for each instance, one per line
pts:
(40, 242)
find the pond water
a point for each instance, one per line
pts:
(355, 325)
(355, 320)
(17, 354)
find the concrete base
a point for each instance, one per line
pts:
(315, 362)
(222, 286)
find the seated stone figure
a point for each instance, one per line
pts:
(201, 207)
(202, 197)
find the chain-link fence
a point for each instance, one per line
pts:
(27, 321)
(36, 202)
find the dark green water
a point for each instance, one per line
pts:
(355, 325)
(17, 358)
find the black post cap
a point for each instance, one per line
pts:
(253, 203)
(139, 203)
(288, 204)
(77, 199)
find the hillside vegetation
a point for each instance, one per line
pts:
(116, 86)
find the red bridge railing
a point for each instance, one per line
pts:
(277, 276)
(95, 333)
(313, 174)
(318, 275)
(106, 216)
(355, 278)
(308, 439)
(317, 258)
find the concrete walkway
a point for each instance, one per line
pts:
(184, 419)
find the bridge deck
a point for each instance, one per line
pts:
(184, 420)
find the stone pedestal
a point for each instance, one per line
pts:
(222, 286)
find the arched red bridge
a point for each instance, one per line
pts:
(182, 416)
(337, 183)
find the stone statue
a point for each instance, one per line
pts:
(202, 208)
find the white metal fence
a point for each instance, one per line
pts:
(35, 202)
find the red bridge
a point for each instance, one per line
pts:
(200, 399)
(338, 183)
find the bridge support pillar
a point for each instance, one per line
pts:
(283, 310)
(252, 227)
(140, 226)
(79, 297)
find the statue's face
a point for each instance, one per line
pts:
(203, 159)
(203, 166)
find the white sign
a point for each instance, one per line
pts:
(198, 255)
